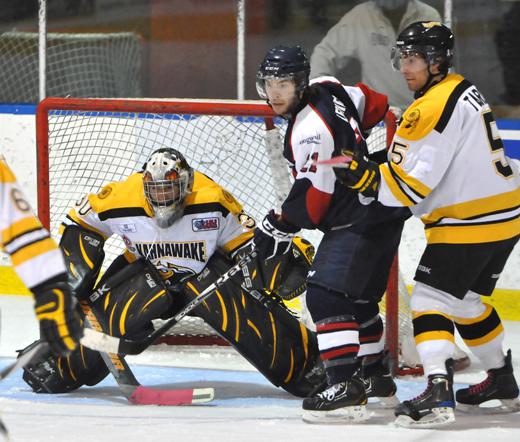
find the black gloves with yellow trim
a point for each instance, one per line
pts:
(273, 236)
(361, 174)
(60, 323)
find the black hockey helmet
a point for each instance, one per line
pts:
(289, 62)
(433, 40)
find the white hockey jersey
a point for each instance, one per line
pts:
(212, 220)
(35, 256)
(447, 164)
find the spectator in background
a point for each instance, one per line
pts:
(366, 34)
(508, 52)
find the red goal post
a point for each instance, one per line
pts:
(83, 144)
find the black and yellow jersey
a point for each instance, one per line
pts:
(447, 164)
(35, 256)
(212, 220)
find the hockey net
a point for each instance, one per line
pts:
(79, 65)
(84, 144)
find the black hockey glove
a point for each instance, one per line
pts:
(273, 237)
(361, 174)
(60, 323)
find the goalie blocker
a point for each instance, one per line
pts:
(129, 296)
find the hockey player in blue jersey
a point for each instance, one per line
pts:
(351, 268)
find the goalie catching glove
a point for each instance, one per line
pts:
(273, 237)
(361, 174)
(60, 323)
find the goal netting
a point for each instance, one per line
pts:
(78, 65)
(85, 143)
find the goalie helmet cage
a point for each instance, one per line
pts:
(83, 144)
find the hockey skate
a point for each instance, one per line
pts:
(379, 383)
(340, 403)
(433, 408)
(500, 385)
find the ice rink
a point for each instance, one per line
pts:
(246, 406)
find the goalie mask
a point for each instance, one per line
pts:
(167, 180)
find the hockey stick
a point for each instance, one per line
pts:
(24, 359)
(96, 340)
(20, 362)
(130, 386)
(339, 162)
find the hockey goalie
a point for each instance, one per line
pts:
(182, 231)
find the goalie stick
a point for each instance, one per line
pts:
(97, 340)
(131, 388)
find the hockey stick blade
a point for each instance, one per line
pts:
(339, 162)
(99, 341)
(189, 396)
(24, 359)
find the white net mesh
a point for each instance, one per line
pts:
(78, 65)
(90, 148)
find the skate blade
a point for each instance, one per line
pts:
(503, 406)
(437, 418)
(345, 415)
(383, 403)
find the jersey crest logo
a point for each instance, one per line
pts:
(411, 119)
(104, 192)
(204, 224)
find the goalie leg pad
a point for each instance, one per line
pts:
(128, 299)
(51, 374)
(125, 301)
(83, 254)
(258, 326)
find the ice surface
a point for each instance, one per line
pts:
(246, 406)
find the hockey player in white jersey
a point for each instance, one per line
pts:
(39, 264)
(447, 164)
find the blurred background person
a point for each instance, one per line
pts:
(363, 38)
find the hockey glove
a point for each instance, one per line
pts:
(273, 237)
(60, 323)
(361, 174)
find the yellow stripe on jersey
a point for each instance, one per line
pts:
(206, 191)
(394, 186)
(425, 112)
(413, 183)
(474, 208)
(20, 227)
(238, 241)
(6, 175)
(72, 214)
(32, 250)
(130, 194)
(466, 234)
